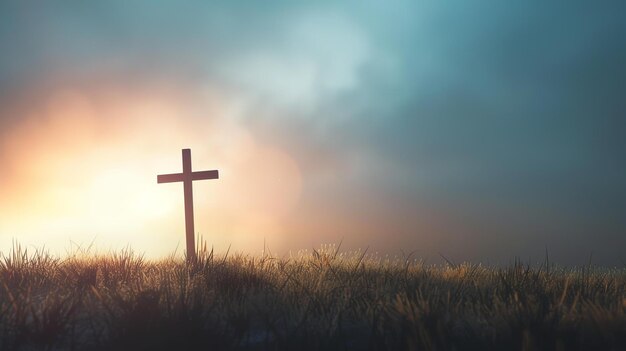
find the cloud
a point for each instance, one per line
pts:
(312, 58)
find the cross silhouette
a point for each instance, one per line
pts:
(187, 177)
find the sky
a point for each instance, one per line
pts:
(482, 131)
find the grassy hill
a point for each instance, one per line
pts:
(319, 300)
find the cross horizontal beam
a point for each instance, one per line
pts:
(180, 177)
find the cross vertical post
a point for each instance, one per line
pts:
(187, 177)
(188, 191)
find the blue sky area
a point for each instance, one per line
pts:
(483, 130)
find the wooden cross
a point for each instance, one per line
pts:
(187, 177)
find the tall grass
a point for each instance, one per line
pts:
(318, 300)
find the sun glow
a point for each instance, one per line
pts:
(82, 168)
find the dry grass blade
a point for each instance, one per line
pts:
(318, 300)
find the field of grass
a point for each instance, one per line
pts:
(318, 300)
